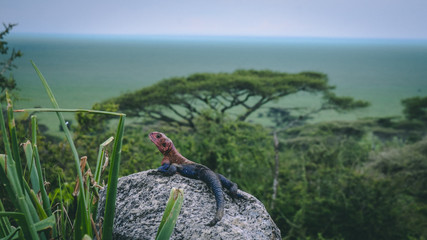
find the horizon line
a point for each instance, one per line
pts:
(206, 36)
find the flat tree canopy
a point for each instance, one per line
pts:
(181, 99)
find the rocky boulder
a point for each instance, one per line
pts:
(141, 201)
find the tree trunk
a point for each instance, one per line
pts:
(276, 169)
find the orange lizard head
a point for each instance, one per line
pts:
(163, 143)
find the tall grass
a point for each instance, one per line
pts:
(33, 215)
(33, 218)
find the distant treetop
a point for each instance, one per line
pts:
(181, 100)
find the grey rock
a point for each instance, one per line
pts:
(141, 201)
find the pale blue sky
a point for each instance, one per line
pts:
(296, 18)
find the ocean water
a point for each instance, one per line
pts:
(83, 70)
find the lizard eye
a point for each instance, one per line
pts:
(158, 135)
(164, 144)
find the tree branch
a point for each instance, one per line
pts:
(255, 107)
(206, 101)
(159, 116)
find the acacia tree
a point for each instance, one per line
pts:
(182, 99)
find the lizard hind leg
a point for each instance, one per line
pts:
(231, 186)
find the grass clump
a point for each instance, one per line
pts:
(33, 217)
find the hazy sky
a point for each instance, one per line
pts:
(298, 18)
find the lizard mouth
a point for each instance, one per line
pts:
(153, 138)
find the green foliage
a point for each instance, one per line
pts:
(406, 169)
(12, 178)
(328, 185)
(6, 65)
(180, 100)
(170, 216)
(342, 103)
(240, 151)
(95, 123)
(34, 215)
(415, 108)
(324, 188)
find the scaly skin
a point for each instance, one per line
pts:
(174, 162)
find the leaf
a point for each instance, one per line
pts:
(170, 216)
(14, 141)
(82, 197)
(34, 178)
(12, 234)
(110, 199)
(45, 223)
(5, 226)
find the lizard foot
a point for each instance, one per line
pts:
(212, 222)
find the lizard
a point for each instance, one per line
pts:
(173, 162)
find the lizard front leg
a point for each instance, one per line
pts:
(167, 169)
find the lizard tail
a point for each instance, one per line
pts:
(213, 181)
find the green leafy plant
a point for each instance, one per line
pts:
(34, 218)
(173, 207)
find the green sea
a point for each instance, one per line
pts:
(84, 69)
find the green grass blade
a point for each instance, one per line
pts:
(68, 110)
(45, 198)
(31, 207)
(62, 220)
(5, 180)
(12, 234)
(73, 147)
(47, 223)
(14, 141)
(16, 215)
(110, 202)
(10, 181)
(34, 178)
(98, 170)
(63, 124)
(5, 226)
(99, 161)
(170, 216)
(35, 201)
(5, 137)
(82, 225)
(21, 219)
(34, 129)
